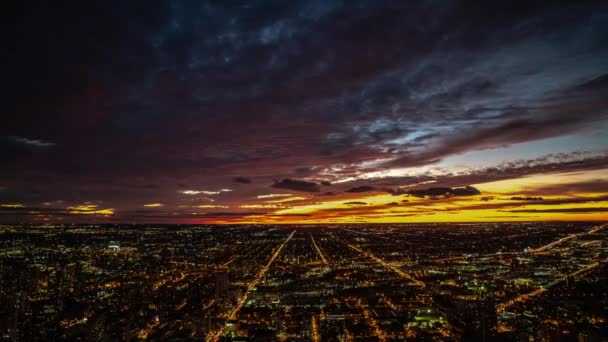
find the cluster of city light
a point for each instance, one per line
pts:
(502, 307)
(387, 265)
(234, 313)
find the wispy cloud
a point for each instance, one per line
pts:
(273, 195)
(297, 185)
(12, 205)
(288, 199)
(33, 142)
(204, 192)
(89, 209)
(210, 206)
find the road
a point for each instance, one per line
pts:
(500, 308)
(314, 243)
(234, 313)
(567, 238)
(531, 251)
(387, 265)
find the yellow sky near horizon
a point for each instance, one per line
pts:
(552, 196)
(563, 196)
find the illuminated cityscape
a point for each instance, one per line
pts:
(304, 171)
(443, 282)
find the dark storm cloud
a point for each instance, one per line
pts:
(593, 186)
(297, 185)
(561, 210)
(445, 192)
(465, 191)
(526, 198)
(242, 180)
(575, 200)
(362, 188)
(287, 215)
(200, 92)
(395, 192)
(547, 202)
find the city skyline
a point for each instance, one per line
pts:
(306, 112)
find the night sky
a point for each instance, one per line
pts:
(304, 111)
